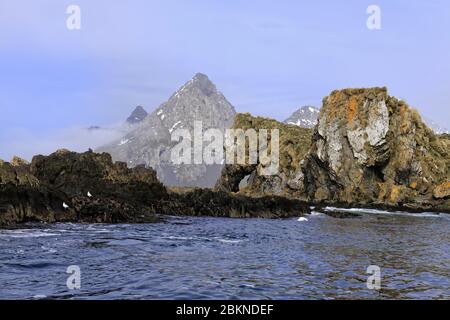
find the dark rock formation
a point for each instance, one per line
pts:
(205, 202)
(89, 187)
(56, 187)
(76, 174)
(24, 198)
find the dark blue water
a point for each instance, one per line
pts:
(215, 258)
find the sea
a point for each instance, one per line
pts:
(367, 254)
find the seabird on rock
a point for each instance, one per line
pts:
(89, 194)
(65, 206)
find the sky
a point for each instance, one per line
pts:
(267, 57)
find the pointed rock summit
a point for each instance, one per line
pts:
(202, 83)
(137, 115)
(150, 143)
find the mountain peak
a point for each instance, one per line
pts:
(150, 142)
(305, 117)
(137, 115)
(200, 76)
(202, 82)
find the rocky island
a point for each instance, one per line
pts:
(367, 150)
(89, 187)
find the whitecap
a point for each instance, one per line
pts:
(178, 238)
(26, 233)
(49, 250)
(384, 212)
(229, 241)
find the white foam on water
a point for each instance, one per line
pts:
(229, 241)
(202, 239)
(48, 249)
(178, 238)
(26, 233)
(385, 212)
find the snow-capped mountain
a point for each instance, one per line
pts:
(149, 142)
(305, 117)
(434, 126)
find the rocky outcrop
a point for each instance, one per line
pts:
(205, 202)
(294, 143)
(371, 148)
(368, 149)
(76, 174)
(24, 198)
(90, 187)
(67, 186)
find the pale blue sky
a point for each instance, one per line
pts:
(267, 57)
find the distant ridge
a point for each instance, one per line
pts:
(305, 117)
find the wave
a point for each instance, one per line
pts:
(229, 241)
(26, 233)
(384, 212)
(195, 238)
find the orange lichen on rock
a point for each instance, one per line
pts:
(395, 192)
(333, 104)
(405, 120)
(351, 109)
(383, 190)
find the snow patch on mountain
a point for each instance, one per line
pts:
(305, 117)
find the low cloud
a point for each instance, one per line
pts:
(25, 143)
